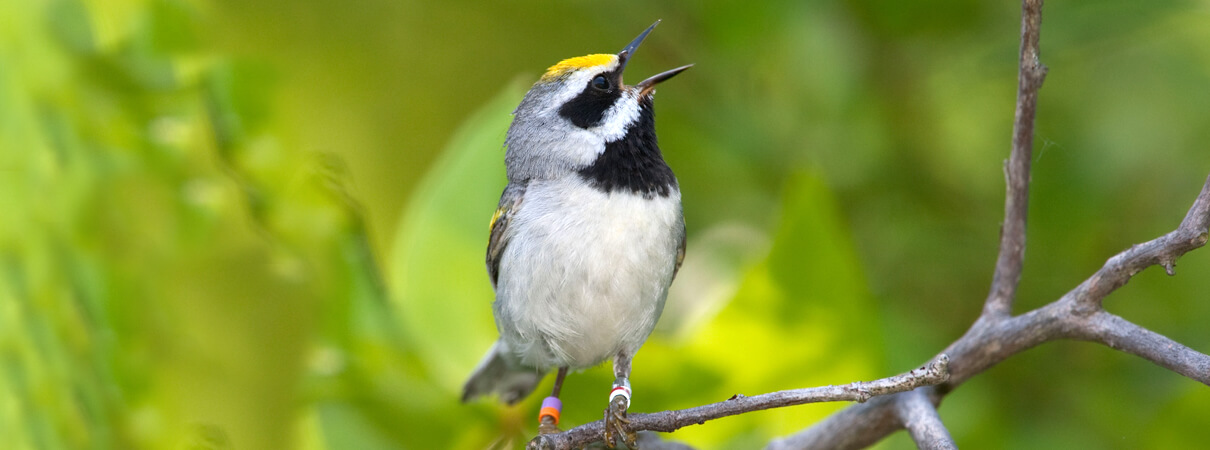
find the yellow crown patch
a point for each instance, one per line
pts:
(579, 62)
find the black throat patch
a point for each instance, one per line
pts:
(633, 163)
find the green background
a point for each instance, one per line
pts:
(260, 224)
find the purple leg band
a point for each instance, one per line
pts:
(552, 402)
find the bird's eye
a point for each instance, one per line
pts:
(600, 83)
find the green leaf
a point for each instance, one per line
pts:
(437, 273)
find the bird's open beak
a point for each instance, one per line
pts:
(648, 85)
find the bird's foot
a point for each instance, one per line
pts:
(548, 426)
(616, 422)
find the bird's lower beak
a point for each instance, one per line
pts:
(646, 86)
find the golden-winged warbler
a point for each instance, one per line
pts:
(587, 238)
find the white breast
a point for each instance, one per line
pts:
(586, 273)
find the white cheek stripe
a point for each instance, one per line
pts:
(619, 116)
(617, 119)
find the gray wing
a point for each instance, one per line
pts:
(510, 201)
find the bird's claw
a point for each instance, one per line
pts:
(616, 421)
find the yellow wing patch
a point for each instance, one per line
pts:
(495, 217)
(579, 62)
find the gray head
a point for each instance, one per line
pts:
(580, 105)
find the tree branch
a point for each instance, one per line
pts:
(852, 427)
(1076, 315)
(932, 373)
(1011, 259)
(919, 416)
(1118, 333)
(1163, 251)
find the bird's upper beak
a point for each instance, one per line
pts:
(646, 86)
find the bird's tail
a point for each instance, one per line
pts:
(501, 372)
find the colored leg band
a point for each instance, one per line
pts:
(551, 406)
(620, 390)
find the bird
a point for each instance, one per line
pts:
(587, 238)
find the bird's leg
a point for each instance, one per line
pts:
(619, 402)
(548, 416)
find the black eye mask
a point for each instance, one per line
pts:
(588, 109)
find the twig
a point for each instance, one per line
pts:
(933, 373)
(919, 416)
(1162, 251)
(1011, 259)
(1118, 333)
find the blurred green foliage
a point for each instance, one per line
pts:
(260, 224)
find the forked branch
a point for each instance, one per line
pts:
(1076, 315)
(936, 371)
